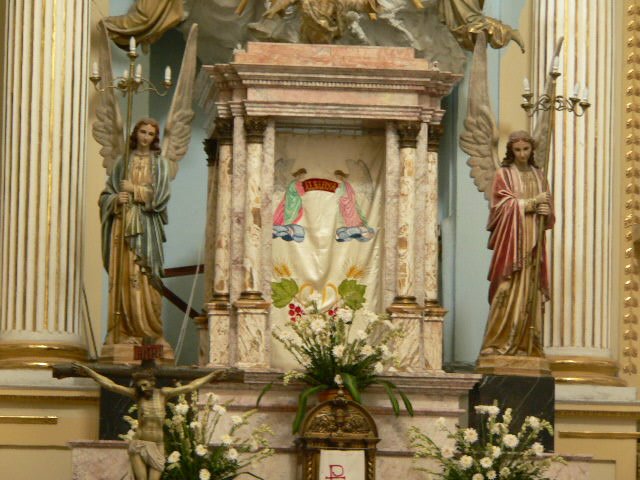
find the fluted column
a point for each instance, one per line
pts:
(218, 267)
(252, 310)
(579, 323)
(42, 182)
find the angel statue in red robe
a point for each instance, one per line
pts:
(520, 205)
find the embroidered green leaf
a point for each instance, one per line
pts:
(352, 293)
(282, 292)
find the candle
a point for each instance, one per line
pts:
(526, 85)
(167, 74)
(132, 44)
(94, 70)
(576, 90)
(556, 64)
(125, 73)
(138, 73)
(585, 94)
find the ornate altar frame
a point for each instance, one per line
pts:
(270, 85)
(337, 424)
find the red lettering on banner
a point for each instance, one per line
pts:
(322, 184)
(336, 472)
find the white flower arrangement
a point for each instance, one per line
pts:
(493, 453)
(340, 345)
(189, 439)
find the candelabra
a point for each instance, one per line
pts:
(547, 103)
(129, 84)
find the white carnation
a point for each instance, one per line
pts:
(466, 461)
(477, 476)
(219, 409)
(537, 449)
(367, 350)
(174, 457)
(505, 471)
(338, 351)
(486, 462)
(491, 474)
(226, 439)
(237, 420)
(533, 422)
(232, 454)
(511, 441)
(470, 435)
(493, 410)
(317, 325)
(212, 398)
(204, 474)
(201, 450)
(495, 451)
(345, 314)
(378, 368)
(448, 452)
(182, 409)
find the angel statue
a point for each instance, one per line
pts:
(520, 204)
(134, 201)
(289, 212)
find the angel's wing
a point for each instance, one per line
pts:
(480, 136)
(543, 119)
(177, 131)
(360, 176)
(107, 128)
(282, 175)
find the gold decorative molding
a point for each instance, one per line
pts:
(559, 412)
(601, 435)
(29, 419)
(586, 370)
(632, 189)
(38, 355)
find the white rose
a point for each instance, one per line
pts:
(174, 457)
(204, 474)
(486, 462)
(219, 409)
(237, 420)
(470, 435)
(466, 461)
(182, 409)
(226, 439)
(537, 449)
(378, 368)
(232, 454)
(338, 351)
(201, 450)
(511, 441)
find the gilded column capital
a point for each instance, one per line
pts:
(408, 134)
(255, 128)
(223, 131)
(211, 149)
(435, 135)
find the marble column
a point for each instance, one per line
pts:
(404, 310)
(580, 323)
(219, 234)
(252, 310)
(42, 183)
(433, 322)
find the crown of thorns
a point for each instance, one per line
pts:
(145, 374)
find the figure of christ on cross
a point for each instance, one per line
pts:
(146, 449)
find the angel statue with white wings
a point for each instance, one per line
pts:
(134, 201)
(520, 209)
